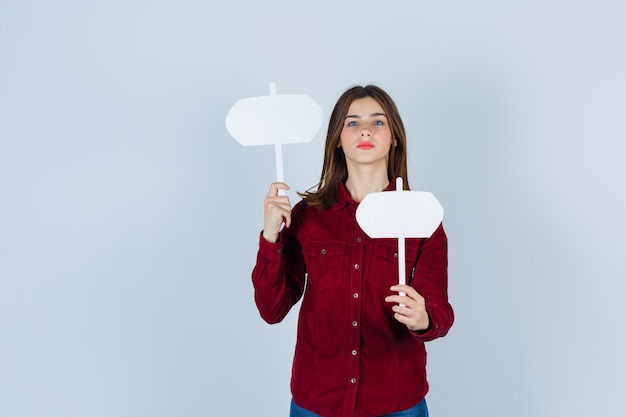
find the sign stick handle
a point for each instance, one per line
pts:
(401, 250)
(278, 150)
(401, 265)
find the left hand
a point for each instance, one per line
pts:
(413, 315)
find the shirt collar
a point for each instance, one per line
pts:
(344, 198)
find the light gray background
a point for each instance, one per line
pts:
(129, 218)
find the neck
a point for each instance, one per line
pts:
(361, 182)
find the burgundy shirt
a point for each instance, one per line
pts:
(352, 358)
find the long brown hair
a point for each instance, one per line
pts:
(334, 169)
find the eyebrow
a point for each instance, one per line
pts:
(356, 116)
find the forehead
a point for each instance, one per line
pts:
(365, 106)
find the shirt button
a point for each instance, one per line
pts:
(353, 380)
(358, 239)
(354, 324)
(355, 295)
(323, 251)
(395, 255)
(354, 353)
(277, 250)
(356, 266)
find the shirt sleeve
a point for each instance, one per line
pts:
(431, 281)
(278, 276)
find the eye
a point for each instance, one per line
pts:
(351, 123)
(379, 123)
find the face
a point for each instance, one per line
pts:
(366, 134)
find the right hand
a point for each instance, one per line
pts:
(276, 209)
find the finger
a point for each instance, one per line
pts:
(397, 298)
(278, 208)
(402, 302)
(405, 291)
(402, 310)
(277, 213)
(281, 202)
(275, 186)
(408, 290)
(402, 319)
(287, 218)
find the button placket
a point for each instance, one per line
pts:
(356, 278)
(354, 263)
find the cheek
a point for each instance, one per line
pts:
(385, 135)
(344, 137)
(340, 141)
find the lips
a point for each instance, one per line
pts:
(365, 145)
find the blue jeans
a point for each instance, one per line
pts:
(420, 410)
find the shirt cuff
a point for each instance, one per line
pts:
(426, 332)
(268, 249)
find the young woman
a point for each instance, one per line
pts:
(358, 352)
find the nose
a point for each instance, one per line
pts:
(365, 132)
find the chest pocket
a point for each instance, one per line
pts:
(324, 263)
(386, 256)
